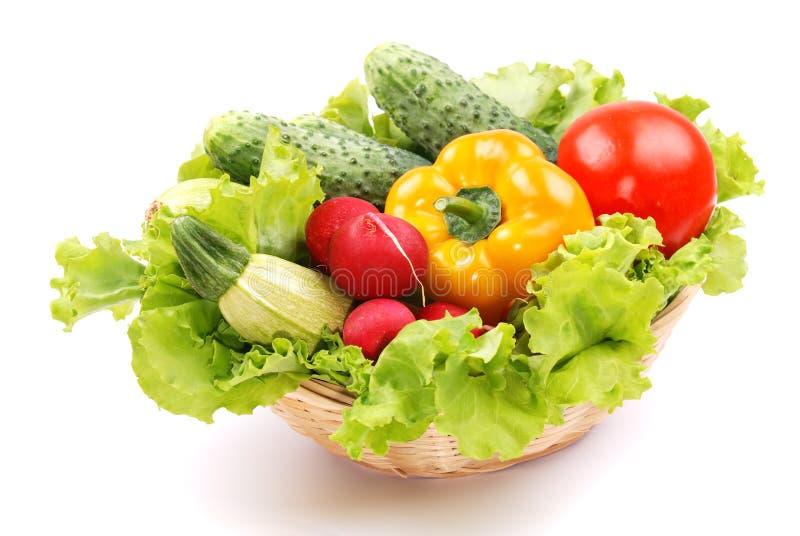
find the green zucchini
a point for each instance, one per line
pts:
(433, 105)
(261, 296)
(352, 164)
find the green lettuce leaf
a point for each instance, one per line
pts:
(340, 364)
(587, 327)
(390, 134)
(282, 356)
(583, 310)
(716, 259)
(103, 277)
(485, 403)
(587, 90)
(736, 172)
(166, 287)
(350, 108)
(604, 374)
(728, 252)
(688, 266)
(621, 242)
(627, 244)
(284, 195)
(183, 364)
(534, 94)
(199, 166)
(538, 94)
(689, 107)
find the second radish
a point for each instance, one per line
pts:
(377, 256)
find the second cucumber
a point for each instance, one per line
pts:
(433, 105)
(352, 164)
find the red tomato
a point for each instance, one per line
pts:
(647, 159)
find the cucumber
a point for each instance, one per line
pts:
(352, 164)
(261, 296)
(433, 105)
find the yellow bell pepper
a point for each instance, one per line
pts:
(488, 208)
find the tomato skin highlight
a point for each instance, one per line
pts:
(646, 159)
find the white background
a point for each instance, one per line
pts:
(100, 103)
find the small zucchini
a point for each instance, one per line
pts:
(261, 296)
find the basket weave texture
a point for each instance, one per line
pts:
(315, 411)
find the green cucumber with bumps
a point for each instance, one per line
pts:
(352, 164)
(433, 105)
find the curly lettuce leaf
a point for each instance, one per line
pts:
(687, 106)
(103, 277)
(184, 360)
(587, 345)
(728, 252)
(283, 195)
(736, 171)
(604, 374)
(199, 166)
(166, 287)
(390, 134)
(587, 90)
(621, 242)
(538, 94)
(340, 364)
(531, 93)
(282, 356)
(484, 402)
(583, 309)
(716, 259)
(350, 108)
(629, 245)
(688, 266)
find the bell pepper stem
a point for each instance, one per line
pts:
(461, 207)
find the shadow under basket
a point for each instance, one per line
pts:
(315, 410)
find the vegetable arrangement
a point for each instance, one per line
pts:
(534, 223)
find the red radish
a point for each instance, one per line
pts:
(327, 218)
(377, 256)
(373, 324)
(437, 310)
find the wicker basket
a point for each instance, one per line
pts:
(315, 410)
